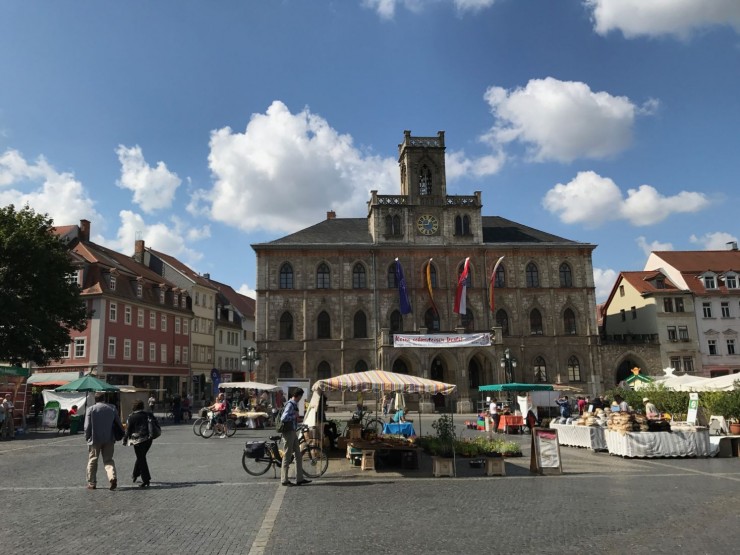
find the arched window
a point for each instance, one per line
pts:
(286, 370)
(396, 322)
(540, 370)
(286, 276)
(458, 225)
(360, 325)
(566, 275)
(359, 278)
(535, 322)
(361, 366)
(286, 326)
(569, 322)
(432, 275)
(533, 275)
(425, 181)
(466, 225)
(431, 320)
(468, 320)
(323, 370)
(393, 226)
(500, 277)
(323, 326)
(392, 280)
(574, 369)
(502, 320)
(323, 277)
(399, 367)
(469, 280)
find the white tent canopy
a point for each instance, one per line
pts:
(249, 385)
(383, 382)
(722, 383)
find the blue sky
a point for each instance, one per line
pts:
(203, 127)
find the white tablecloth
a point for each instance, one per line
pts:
(591, 437)
(659, 444)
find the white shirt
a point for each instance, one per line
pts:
(493, 409)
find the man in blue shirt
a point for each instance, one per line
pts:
(564, 405)
(292, 449)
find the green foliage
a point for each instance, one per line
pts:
(666, 400)
(722, 403)
(39, 303)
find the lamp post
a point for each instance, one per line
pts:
(508, 363)
(251, 359)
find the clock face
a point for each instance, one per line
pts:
(427, 225)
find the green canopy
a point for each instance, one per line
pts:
(638, 378)
(87, 383)
(517, 387)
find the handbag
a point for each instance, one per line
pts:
(155, 430)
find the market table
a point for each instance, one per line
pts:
(509, 421)
(676, 443)
(591, 437)
(249, 416)
(399, 428)
(387, 452)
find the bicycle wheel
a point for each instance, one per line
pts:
(196, 425)
(256, 467)
(230, 428)
(314, 461)
(206, 429)
(374, 425)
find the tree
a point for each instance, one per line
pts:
(40, 300)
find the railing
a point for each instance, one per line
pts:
(462, 200)
(391, 200)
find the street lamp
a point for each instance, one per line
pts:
(251, 359)
(508, 363)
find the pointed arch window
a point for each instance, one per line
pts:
(468, 320)
(359, 277)
(323, 326)
(396, 322)
(502, 320)
(392, 279)
(286, 326)
(566, 275)
(462, 225)
(535, 322)
(500, 277)
(574, 369)
(569, 322)
(323, 277)
(540, 370)
(533, 275)
(360, 325)
(323, 370)
(432, 275)
(399, 367)
(425, 181)
(285, 371)
(393, 226)
(469, 280)
(361, 366)
(431, 320)
(286, 276)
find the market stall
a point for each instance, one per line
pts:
(590, 437)
(252, 417)
(677, 443)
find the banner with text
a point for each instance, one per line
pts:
(443, 340)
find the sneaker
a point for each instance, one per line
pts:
(222, 436)
(113, 484)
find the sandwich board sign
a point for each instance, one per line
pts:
(545, 452)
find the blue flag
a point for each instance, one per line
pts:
(402, 291)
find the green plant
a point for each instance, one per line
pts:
(511, 448)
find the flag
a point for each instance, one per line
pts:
(428, 281)
(403, 293)
(462, 286)
(493, 283)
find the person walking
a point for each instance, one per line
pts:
(7, 423)
(564, 405)
(290, 439)
(137, 434)
(495, 416)
(152, 401)
(100, 421)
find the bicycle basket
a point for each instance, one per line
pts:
(255, 449)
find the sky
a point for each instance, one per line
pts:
(204, 127)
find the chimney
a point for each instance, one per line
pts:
(331, 215)
(139, 251)
(207, 276)
(84, 230)
(732, 245)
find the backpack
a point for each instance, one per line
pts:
(279, 424)
(155, 429)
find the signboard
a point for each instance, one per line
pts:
(693, 408)
(545, 457)
(442, 340)
(226, 377)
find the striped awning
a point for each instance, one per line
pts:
(384, 382)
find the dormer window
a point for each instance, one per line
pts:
(731, 281)
(113, 283)
(660, 283)
(161, 295)
(184, 302)
(139, 290)
(176, 299)
(710, 282)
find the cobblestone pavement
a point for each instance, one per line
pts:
(202, 502)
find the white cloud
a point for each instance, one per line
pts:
(716, 241)
(647, 248)
(591, 199)
(154, 187)
(458, 165)
(285, 171)
(386, 9)
(562, 120)
(44, 189)
(248, 291)
(604, 281)
(662, 17)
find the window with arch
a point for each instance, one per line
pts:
(359, 277)
(323, 326)
(396, 322)
(432, 274)
(431, 320)
(500, 277)
(323, 370)
(502, 320)
(469, 280)
(569, 322)
(361, 366)
(574, 369)
(566, 275)
(359, 325)
(532, 275)
(286, 326)
(323, 276)
(540, 370)
(399, 367)
(425, 181)
(286, 276)
(535, 322)
(462, 225)
(392, 279)
(393, 226)
(286, 370)
(468, 320)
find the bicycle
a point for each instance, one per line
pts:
(260, 456)
(209, 426)
(370, 424)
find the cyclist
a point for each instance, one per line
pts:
(220, 409)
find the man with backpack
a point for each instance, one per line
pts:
(289, 423)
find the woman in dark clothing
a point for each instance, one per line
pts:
(137, 434)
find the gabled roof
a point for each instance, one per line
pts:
(245, 305)
(643, 282)
(182, 268)
(692, 264)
